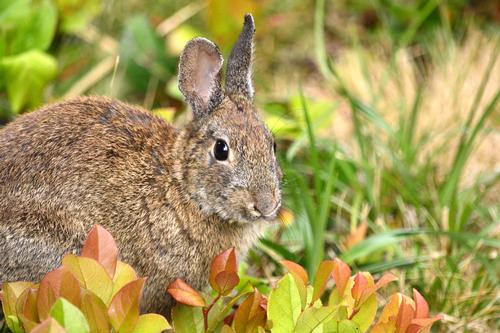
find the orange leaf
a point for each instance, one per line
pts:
(101, 246)
(124, 308)
(183, 293)
(421, 306)
(10, 294)
(341, 273)
(405, 315)
(322, 274)
(422, 325)
(58, 283)
(385, 279)
(296, 270)
(225, 261)
(26, 307)
(226, 281)
(356, 236)
(249, 314)
(50, 325)
(360, 285)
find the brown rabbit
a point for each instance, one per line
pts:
(172, 198)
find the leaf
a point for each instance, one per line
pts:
(183, 293)
(95, 311)
(36, 31)
(341, 273)
(58, 283)
(224, 262)
(249, 313)
(69, 316)
(405, 314)
(283, 307)
(101, 247)
(49, 325)
(10, 293)
(13, 324)
(151, 323)
(227, 329)
(384, 280)
(360, 285)
(356, 236)
(26, 308)
(124, 308)
(366, 313)
(297, 270)
(387, 319)
(124, 274)
(347, 326)
(187, 319)
(312, 318)
(322, 275)
(91, 275)
(26, 75)
(421, 306)
(226, 281)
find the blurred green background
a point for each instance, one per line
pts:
(386, 113)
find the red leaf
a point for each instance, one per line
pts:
(224, 262)
(58, 283)
(101, 247)
(124, 308)
(360, 284)
(296, 270)
(225, 282)
(50, 325)
(341, 273)
(322, 274)
(183, 293)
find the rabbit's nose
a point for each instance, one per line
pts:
(266, 205)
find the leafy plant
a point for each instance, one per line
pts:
(93, 292)
(295, 304)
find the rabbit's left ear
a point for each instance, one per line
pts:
(239, 64)
(200, 76)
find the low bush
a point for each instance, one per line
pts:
(95, 292)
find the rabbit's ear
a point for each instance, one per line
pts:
(239, 64)
(200, 75)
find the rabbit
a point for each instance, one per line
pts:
(173, 198)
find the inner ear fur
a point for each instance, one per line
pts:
(200, 75)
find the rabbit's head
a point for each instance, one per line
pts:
(229, 164)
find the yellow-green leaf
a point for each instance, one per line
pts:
(313, 318)
(366, 313)
(187, 319)
(124, 274)
(151, 323)
(284, 305)
(69, 316)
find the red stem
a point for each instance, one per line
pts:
(205, 312)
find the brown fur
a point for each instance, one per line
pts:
(169, 204)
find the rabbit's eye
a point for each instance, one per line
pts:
(221, 150)
(274, 146)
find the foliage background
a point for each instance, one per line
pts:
(386, 113)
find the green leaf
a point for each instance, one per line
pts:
(344, 326)
(36, 31)
(284, 305)
(187, 319)
(14, 324)
(69, 316)
(151, 323)
(26, 75)
(313, 318)
(366, 314)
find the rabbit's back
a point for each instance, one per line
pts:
(73, 164)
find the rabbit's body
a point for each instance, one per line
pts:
(171, 197)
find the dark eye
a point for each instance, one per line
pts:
(274, 146)
(221, 150)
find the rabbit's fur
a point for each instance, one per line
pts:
(170, 205)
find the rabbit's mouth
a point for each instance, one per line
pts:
(253, 213)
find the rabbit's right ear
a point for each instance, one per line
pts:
(200, 75)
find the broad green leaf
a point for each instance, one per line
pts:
(77, 14)
(13, 324)
(124, 308)
(185, 294)
(151, 323)
(61, 282)
(347, 326)
(366, 313)
(187, 319)
(95, 311)
(69, 316)
(91, 275)
(101, 247)
(284, 305)
(26, 75)
(313, 318)
(36, 31)
(124, 274)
